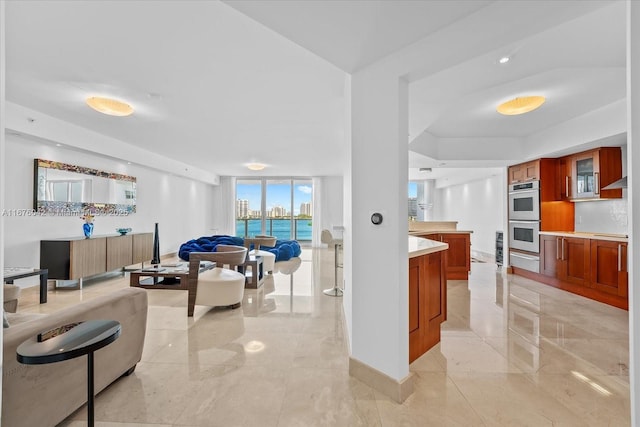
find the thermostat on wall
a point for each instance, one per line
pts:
(376, 218)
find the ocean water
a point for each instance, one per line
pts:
(280, 228)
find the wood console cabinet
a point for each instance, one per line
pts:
(427, 302)
(76, 258)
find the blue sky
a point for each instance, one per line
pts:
(413, 189)
(278, 194)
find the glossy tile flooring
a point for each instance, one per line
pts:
(513, 353)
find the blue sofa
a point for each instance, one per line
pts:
(284, 250)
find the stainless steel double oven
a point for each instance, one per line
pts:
(524, 224)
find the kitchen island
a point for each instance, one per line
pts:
(427, 294)
(458, 259)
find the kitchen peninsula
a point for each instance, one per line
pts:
(458, 258)
(427, 294)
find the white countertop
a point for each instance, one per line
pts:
(424, 232)
(419, 246)
(582, 235)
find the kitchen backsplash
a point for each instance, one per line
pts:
(603, 216)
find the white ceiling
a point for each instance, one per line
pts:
(217, 85)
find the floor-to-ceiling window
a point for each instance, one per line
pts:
(280, 207)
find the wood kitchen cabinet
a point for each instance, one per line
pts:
(594, 169)
(565, 258)
(564, 177)
(523, 172)
(574, 259)
(549, 250)
(458, 256)
(593, 268)
(427, 302)
(609, 267)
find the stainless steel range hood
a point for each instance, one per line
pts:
(621, 183)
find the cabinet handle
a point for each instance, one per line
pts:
(557, 247)
(596, 178)
(566, 186)
(531, 178)
(619, 257)
(562, 259)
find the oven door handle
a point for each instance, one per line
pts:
(523, 192)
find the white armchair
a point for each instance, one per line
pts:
(219, 286)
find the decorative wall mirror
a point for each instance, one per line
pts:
(63, 189)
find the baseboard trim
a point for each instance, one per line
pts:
(396, 390)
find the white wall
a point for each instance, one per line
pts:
(181, 206)
(606, 216)
(477, 206)
(331, 204)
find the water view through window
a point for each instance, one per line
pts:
(275, 207)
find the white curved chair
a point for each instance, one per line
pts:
(219, 286)
(268, 259)
(289, 266)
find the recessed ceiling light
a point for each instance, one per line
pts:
(256, 166)
(109, 106)
(58, 145)
(504, 60)
(520, 105)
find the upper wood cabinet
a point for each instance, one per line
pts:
(594, 169)
(523, 172)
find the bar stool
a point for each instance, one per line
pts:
(326, 237)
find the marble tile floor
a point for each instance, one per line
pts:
(513, 353)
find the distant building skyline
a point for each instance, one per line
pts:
(306, 209)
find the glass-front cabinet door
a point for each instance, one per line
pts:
(586, 175)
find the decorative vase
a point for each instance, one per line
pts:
(156, 247)
(87, 227)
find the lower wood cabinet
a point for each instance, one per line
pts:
(609, 267)
(458, 258)
(593, 268)
(72, 259)
(427, 302)
(574, 261)
(458, 255)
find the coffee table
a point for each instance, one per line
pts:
(173, 277)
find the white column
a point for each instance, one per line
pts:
(633, 157)
(2, 145)
(378, 294)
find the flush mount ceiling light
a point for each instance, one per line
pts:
(109, 106)
(256, 166)
(520, 105)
